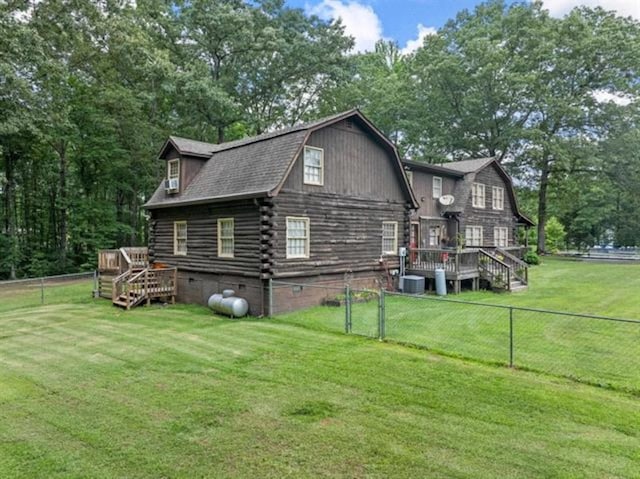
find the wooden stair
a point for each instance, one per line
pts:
(127, 278)
(503, 270)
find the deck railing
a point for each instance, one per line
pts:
(451, 261)
(130, 289)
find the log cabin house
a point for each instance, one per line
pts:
(467, 224)
(309, 204)
(319, 203)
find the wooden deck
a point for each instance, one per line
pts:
(499, 266)
(127, 279)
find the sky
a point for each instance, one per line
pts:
(408, 21)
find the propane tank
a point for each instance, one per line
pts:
(227, 303)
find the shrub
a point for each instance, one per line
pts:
(531, 258)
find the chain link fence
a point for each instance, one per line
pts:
(46, 290)
(595, 349)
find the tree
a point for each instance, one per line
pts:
(514, 83)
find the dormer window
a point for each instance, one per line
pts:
(313, 166)
(172, 185)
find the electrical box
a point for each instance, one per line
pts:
(402, 251)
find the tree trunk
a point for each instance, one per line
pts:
(10, 215)
(62, 153)
(220, 134)
(542, 205)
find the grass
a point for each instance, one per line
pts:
(596, 351)
(88, 390)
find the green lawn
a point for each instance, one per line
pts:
(596, 351)
(88, 390)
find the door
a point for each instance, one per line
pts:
(435, 236)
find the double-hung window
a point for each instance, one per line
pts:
(389, 237)
(497, 194)
(477, 195)
(225, 237)
(297, 237)
(436, 187)
(409, 174)
(313, 166)
(473, 235)
(501, 236)
(180, 238)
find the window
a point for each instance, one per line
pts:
(409, 174)
(297, 237)
(389, 237)
(497, 194)
(477, 195)
(437, 187)
(173, 169)
(473, 235)
(313, 165)
(435, 236)
(225, 237)
(180, 238)
(501, 236)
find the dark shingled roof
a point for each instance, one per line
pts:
(185, 146)
(468, 166)
(250, 167)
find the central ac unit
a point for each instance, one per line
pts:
(171, 185)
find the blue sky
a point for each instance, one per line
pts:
(407, 21)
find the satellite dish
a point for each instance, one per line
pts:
(446, 200)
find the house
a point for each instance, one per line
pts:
(308, 204)
(469, 212)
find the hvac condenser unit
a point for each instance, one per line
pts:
(412, 284)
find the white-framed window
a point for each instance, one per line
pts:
(297, 237)
(389, 237)
(313, 165)
(477, 195)
(409, 174)
(180, 238)
(225, 237)
(497, 197)
(436, 187)
(173, 169)
(473, 235)
(501, 236)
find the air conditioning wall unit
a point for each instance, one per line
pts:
(172, 185)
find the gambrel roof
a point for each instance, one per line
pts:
(256, 166)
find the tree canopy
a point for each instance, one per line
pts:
(90, 90)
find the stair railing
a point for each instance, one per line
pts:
(119, 285)
(519, 268)
(497, 272)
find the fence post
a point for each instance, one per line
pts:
(510, 337)
(381, 314)
(95, 282)
(347, 309)
(270, 312)
(41, 290)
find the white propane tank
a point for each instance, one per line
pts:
(227, 303)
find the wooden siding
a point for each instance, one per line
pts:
(487, 217)
(355, 165)
(423, 190)
(202, 239)
(345, 233)
(189, 167)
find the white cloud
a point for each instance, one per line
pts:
(359, 20)
(413, 45)
(622, 7)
